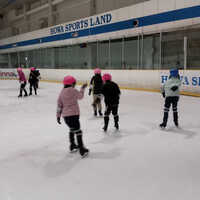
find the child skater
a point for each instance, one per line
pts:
(111, 94)
(33, 80)
(171, 93)
(96, 84)
(67, 106)
(22, 80)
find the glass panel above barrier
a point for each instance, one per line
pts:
(116, 54)
(131, 53)
(103, 54)
(14, 60)
(172, 50)
(193, 49)
(4, 61)
(151, 51)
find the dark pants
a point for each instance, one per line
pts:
(74, 125)
(22, 88)
(114, 110)
(33, 85)
(111, 108)
(168, 102)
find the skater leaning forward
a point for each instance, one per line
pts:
(22, 80)
(96, 84)
(111, 94)
(67, 106)
(171, 93)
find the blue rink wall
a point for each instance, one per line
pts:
(146, 80)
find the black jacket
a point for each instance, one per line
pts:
(33, 77)
(97, 84)
(111, 93)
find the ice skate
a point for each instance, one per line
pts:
(84, 152)
(162, 126)
(176, 124)
(73, 148)
(100, 113)
(117, 126)
(20, 96)
(105, 128)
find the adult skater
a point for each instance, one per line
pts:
(96, 84)
(111, 94)
(171, 93)
(67, 106)
(33, 80)
(22, 81)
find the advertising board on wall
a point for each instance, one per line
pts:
(8, 73)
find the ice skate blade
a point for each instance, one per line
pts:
(73, 151)
(162, 128)
(85, 155)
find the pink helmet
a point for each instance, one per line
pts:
(107, 77)
(69, 80)
(32, 68)
(19, 69)
(97, 71)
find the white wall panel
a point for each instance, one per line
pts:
(190, 3)
(138, 10)
(151, 7)
(180, 4)
(196, 2)
(164, 6)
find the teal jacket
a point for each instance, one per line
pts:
(169, 85)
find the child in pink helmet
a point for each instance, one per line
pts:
(67, 106)
(22, 81)
(111, 94)
(33, 80)
(96, 84)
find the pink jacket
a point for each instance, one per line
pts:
(21, 76)
(67, 103)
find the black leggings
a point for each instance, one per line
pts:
(22, 88)
(73, 123)
(171, 101)
(111, 108)
(34, 85)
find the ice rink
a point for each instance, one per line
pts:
(140, 162)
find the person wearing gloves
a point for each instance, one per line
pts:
(111, 94)
(96, 84)
(22, 80)
(171, 93)
(67, 106)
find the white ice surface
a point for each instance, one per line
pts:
(140, 162)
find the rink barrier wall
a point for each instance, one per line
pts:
(141, 80)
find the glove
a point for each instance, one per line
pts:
(58, 120)
(84, 86)
(90, 90)
(163, 94)
(174, 88)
